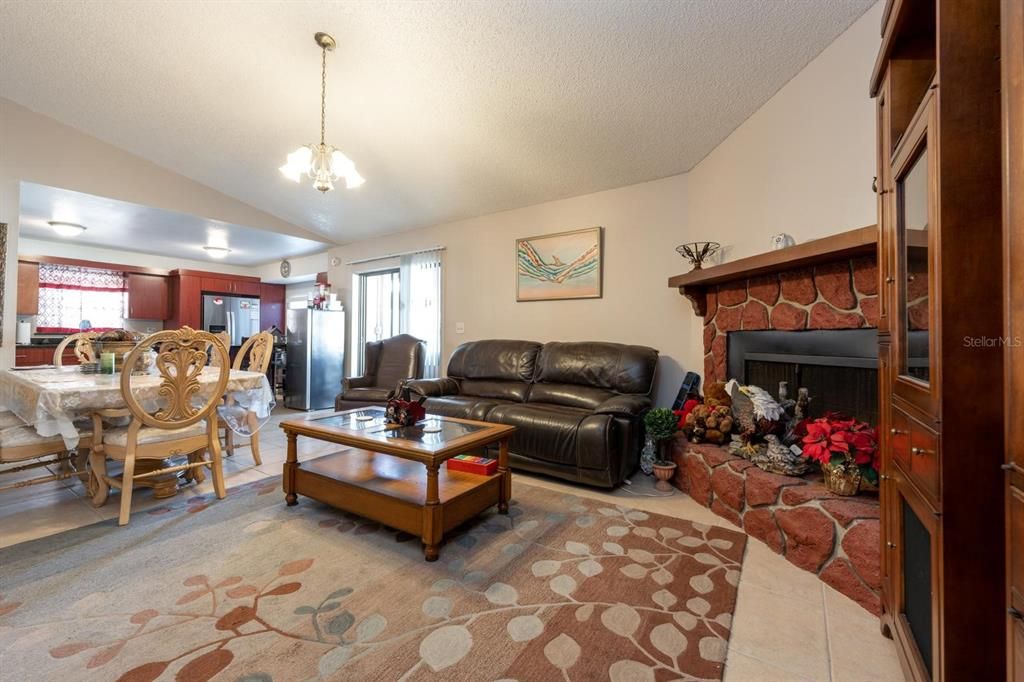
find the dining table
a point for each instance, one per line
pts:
(61, 401)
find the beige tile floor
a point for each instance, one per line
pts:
(788, 625)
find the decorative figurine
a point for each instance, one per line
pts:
(698, 252)
(782, 241)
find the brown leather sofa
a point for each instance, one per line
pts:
(387, 362)
(577, 407)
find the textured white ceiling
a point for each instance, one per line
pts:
(126, 226)
(449, 109)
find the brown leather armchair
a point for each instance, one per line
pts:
(387, 362)
(577, 407)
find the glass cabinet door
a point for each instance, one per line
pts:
(918, 580)
(912, 205)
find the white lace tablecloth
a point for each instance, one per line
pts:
(52, 399)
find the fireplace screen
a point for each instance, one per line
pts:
(839, 368)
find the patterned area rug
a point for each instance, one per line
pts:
(563, 588)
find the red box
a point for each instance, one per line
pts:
(473, 465)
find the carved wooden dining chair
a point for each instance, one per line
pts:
(84, 349)
(225, 340)
(21, 446)
(255, 354)
(178, 427)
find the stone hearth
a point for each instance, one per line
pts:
(842, 294)
(835, 537)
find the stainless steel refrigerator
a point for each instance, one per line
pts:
(316, 358)
(239, 316)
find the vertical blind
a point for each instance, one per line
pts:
(69, 295)
(420, 281)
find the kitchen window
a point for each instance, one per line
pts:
(70, 295)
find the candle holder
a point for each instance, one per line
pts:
(698, 252)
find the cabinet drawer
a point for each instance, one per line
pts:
(924, 458)
(915, 447)
(899, 438)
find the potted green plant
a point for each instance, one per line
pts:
(661, 424)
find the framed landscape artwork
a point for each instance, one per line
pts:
(558, 266)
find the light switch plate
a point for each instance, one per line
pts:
(460, 327)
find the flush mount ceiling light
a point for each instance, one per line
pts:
(66, 229)
(217, 251)
(321, 162)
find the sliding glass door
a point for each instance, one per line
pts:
(379, 308)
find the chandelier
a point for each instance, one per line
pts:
(321, 162)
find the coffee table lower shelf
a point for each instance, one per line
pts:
(393, 491)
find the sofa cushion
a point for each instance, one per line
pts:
(515, 391)
(571, 395)
(366, 394)
(612, 366)
(544, 431)
(461, 406)
(495, 359)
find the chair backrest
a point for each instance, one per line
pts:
(182, 355)
(398, 358)
(258, 348)
(224, 339)
(84, 350)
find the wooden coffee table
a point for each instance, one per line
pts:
(396, 475)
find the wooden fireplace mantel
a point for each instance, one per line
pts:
(694, 284)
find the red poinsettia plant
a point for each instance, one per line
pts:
(838, 441)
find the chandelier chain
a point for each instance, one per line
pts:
(323, 96)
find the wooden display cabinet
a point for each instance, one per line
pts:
(1012, 27)
(936, 84)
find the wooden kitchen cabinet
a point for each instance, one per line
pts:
(186, 298)
(230, 286)
(245, 288)
(28, 288)
(186, 289)
(147, 297)
(216, 285)
(271, 306)
(31, 356)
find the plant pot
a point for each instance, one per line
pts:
(842, 480)
(664, 472)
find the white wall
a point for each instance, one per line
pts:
(304, 269)
(643, 223)
(801, 164)
(35, 148)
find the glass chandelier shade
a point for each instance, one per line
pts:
(322, 163)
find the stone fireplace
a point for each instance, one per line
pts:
(838, 367)
(835, 295)
(806, 315)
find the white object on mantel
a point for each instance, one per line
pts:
(24, 335)
(782, 241)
